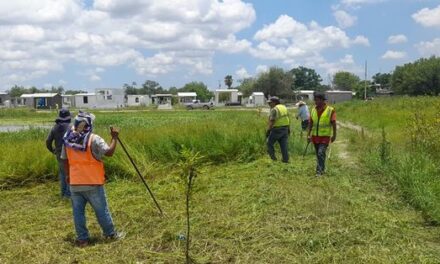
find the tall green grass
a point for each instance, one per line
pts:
(154, 139)
(407, 153)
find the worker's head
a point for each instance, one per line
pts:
(63, 116)
(273, 101)
(83, 122)
(319, 98)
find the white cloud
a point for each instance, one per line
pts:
(361, 40)
(394, 55)
(428, 17)
(357, 3)
(242, 73)
(344, 19)
(396, 39)
(261, 69)
(429, 48)
(176, 35)
(94, 78)
(289, 40)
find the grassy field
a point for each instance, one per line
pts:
(245, 208)
(402, 146)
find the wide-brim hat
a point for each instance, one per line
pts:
(273, 99)
(64, 115)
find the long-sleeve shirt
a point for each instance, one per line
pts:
(303, 112)
(56, 134)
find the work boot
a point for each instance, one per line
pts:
(81, 243)
(117, 236)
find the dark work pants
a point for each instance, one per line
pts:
(280, 134)
(320, 150)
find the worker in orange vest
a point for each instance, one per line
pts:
(83, 152)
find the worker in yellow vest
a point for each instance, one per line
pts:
(322, 129)
(83, 152)
(278, 129)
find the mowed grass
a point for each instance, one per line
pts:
(245, 208)
(256, 212)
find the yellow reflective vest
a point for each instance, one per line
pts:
(282, 116)
(322, 125)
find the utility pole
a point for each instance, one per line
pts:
(365, 82)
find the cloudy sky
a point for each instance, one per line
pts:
(85, 44)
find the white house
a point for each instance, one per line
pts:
(256, 99)
(231, 96)
(187, 97)
(109, 98)
(68, 100)
(159, 99)
(85, 100)
(303, 95)
(138, 100)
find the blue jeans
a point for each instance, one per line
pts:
(320, 150)
(280, 134)
(65, 190)
(97, 199)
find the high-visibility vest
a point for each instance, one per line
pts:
(322, 125)
(282, 116)
(84, 169)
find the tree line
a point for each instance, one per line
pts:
(421, 77)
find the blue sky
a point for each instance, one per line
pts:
(87, 44)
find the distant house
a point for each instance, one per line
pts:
(187, 97)
(85, 100)
(42, 100)
(303, 95)
(137, 100)
(4, 98)
(226, 96)
(109, 98)
(334, 97)
(160, 99)
(256, 99)
(68, 100)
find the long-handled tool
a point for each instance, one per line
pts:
(305, 150)
(140, 175)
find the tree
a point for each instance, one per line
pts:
(419, 78)
(247, 86)
(383, 80)
(345, 81)
(203, 93)
(151, 87)
(305, 79)
(58, 90)
(274, 82)
(228, 81)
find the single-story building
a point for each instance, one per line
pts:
(186, 97)
(110, 98)
(334, 97)
(4, 97)
(68, 100)
(137, 99)
(303, 95)
(85, 100)
(42, 100)
(226, 96)
(256, 99)
(160, 99)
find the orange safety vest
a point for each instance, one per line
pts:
(84, 169)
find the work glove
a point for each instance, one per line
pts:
(267, 133)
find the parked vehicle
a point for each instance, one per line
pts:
(196, 104)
